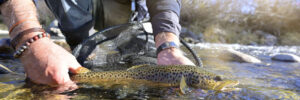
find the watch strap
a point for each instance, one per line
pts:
(166, 45)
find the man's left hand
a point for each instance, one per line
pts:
(170, 56)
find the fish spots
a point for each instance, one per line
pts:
(161, 74)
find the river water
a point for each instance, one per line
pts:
(266, 80)
(258, 81)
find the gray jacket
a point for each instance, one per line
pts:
(76, 17)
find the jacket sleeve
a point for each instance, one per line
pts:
(164, 15)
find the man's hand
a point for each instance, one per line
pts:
(170, 56)
(48, 63)
(44, 61)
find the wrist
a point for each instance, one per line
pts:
(164, 37)
(35, 48)
(166, 42)
(25, 38)
(170, 52)
(24, 31)
(26, 45)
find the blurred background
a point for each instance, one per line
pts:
(249, 22)
(263, 22)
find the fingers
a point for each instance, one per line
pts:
(63, 82)
(70, 86)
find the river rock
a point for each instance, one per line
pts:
(284, 57)
(240, 57)
(226, 55)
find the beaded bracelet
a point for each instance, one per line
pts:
(25, 46)
(20, 35)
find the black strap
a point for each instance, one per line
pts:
(166, 45)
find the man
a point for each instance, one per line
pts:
(48, 63)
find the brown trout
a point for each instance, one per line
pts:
(172, 75)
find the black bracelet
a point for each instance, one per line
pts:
(166, 45)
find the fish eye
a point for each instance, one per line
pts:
(218, 78)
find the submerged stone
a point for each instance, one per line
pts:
(284, 57)
(228, 55)
(241, 57)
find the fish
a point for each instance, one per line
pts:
(157, 75)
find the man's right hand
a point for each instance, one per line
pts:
(47, 63)
(44, 61)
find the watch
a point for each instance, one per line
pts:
(166, 45)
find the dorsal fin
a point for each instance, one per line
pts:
(183, 86)
(137, 66)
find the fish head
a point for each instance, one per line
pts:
(217, 83)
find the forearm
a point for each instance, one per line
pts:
(14, 11)
(166, 27)
(165, 20)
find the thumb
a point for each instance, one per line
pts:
(75, 68)
(78, 69)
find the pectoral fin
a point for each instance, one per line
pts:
(183, 86)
